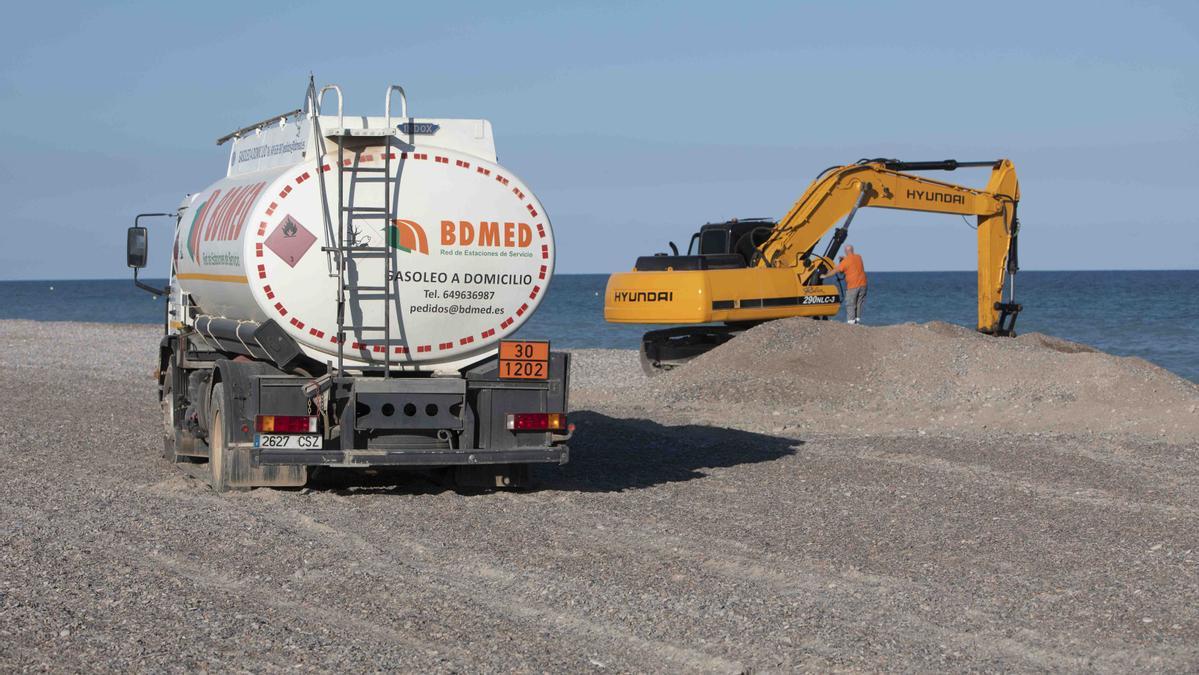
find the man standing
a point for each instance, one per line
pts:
(855, 284)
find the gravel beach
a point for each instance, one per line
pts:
(930, 499)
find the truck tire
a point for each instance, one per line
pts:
(218, 441)
(168, 415)
(232, 467)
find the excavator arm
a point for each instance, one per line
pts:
(881, 183)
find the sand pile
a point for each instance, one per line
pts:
(827, 376)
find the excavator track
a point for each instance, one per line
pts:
(667, 349)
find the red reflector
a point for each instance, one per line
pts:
(537, 421)
(286, 424)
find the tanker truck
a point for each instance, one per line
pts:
(347, 296)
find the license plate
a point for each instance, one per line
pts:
(524, 360)
(289, 441)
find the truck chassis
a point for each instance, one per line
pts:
(213, 400)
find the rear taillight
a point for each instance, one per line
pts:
(286, 424)
(537, 422)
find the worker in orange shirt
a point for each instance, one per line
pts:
(855, 284)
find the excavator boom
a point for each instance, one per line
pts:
(882, 184)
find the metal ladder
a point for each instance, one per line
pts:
(349, 214)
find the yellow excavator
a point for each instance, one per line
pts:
(740, 273)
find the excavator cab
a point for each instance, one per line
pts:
(717, 246)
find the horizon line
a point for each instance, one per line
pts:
(580, 274)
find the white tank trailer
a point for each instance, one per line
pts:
(347, 295)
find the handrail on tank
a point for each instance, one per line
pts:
(256, 126)
(320, 101)
(403, 103)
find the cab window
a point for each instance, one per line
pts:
(714, 241)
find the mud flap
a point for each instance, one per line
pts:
(241, 473)
(231, 461)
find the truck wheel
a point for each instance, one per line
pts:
(168, 415)
(232, 468)
(217, 441)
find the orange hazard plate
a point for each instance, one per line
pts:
(524, 360)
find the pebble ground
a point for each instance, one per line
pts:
(665, 545)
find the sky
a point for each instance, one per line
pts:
(634, 123)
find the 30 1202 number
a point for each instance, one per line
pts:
(523, 369)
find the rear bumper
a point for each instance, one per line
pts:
(558, 454)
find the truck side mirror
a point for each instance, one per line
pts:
(136, 245)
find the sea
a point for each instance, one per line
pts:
(1151, 314)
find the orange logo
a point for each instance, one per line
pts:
(486, 233)
(407, 236)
